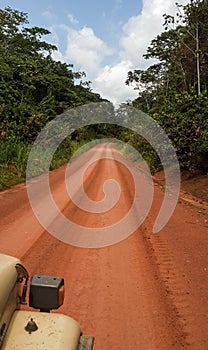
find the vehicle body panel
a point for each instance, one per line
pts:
(55, 331)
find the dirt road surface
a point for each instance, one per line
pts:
(149, 291)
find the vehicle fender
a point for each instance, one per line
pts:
(54, 332)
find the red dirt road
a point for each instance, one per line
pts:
(150, 291)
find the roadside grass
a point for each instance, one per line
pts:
(138, 155)
(14, 157)
(13, 162)
(200, 190)
(195, 184)
(9, 176)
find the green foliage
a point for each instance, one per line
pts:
(13, 157)
(175, 90)
(33, 90)
(33, 87)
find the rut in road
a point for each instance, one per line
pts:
(145, 292)
(115, 292)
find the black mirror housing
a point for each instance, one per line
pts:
(46, 292)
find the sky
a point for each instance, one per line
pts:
(105, 39)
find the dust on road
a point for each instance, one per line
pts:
(147, 292)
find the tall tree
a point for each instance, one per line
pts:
(176, 87)
(33, 87)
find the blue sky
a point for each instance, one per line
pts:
(105, 39)
(106, 17)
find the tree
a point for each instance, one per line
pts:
(33, 87)
(174, 90)
(194, 41)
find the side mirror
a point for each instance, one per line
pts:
(46, 292)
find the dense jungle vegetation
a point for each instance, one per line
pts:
(33, 90)
(174, 90)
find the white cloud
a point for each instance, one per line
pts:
(136, 37)
(57, 56)
(72, 19)
(110, 83)
(140, 30)
(88, 52)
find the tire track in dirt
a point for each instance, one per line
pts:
(120, 282)
(169, 274)
(172, 255)
(131, 295)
